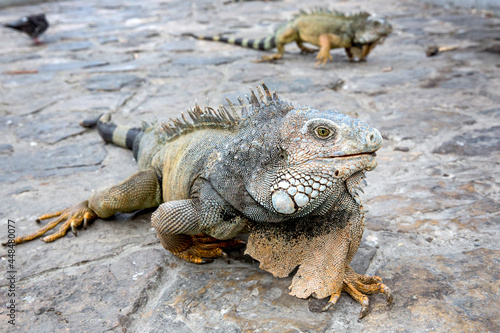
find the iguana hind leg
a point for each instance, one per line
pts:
(72, 217)
(287, 36)
(140, 191)
(177, 224)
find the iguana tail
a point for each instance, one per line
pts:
(123, 136)
(266, 43)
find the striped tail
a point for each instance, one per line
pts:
(123, 136)
(267, 43)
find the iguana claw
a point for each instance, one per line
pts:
(73, 230)
(225, 257)
(333, 299)
(364, 308)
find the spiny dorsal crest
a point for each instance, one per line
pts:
(331, 12)
(208, 117)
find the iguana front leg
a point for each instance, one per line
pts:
(358, 286)
(350, 56)
(365, 50)
(140, 191)
(181, 226)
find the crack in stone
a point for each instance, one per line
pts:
(74, 166)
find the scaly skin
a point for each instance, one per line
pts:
(357, 34)
(287, 174)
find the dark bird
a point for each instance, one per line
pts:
(33, 25)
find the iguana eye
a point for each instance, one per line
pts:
(321, 129)
(323, 132)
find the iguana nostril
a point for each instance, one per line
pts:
(373, 138)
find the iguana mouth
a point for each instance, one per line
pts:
(330, 159)
(374, 154)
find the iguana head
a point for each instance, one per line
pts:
(323, 149)
(373, 29)
(285, 162)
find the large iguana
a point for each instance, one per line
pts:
(288, 175)
(358, 34)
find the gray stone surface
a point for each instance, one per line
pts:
(434, 200)
(112, 82)
(7, 3)
(63, 160)
(492, 5)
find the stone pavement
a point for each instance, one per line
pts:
(433, 222)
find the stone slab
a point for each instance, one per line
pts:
(432, 224)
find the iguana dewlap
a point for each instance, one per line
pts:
(358, 34)
(288, 174)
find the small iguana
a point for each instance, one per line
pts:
(358, 34)
(288, 175)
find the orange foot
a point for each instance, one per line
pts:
(358, 286)
(322, 57)
(72, 217)
(270, 58)
(204, 248)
